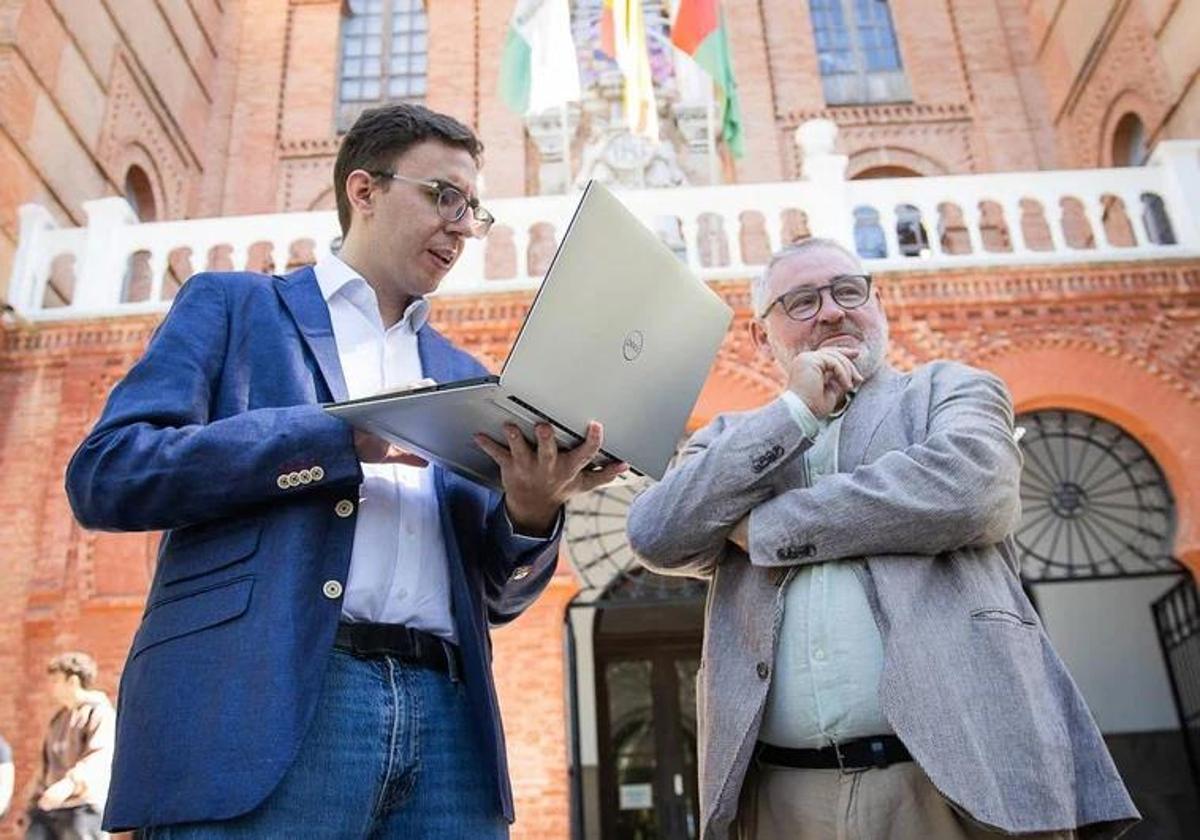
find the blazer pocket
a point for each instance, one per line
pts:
(1003, 616)
(187, 614)
(200, 549)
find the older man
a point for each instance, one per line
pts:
(872, 668)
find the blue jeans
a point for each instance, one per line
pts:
(392, 753)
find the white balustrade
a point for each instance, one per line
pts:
(102, 249)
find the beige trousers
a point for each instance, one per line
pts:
(896, 803)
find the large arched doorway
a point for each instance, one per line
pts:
(1095, 543)
(633, 649)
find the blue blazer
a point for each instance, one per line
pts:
(223, 675)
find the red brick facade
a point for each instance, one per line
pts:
(228, 106)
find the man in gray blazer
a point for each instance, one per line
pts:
(872, 668)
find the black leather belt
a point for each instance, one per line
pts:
(878, 751)
(407, 644)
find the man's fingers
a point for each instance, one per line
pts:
(517, 445)
(598, 478)
(396, 455)
(497, 452)
(547, 446)
(582, 454)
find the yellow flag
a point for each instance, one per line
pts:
(629, 41)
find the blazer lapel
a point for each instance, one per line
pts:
(437, 361)
(304, 301)
(865, 414)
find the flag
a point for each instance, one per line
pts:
(699, 30)
(608, 43)
(539, 69)
(633, 57)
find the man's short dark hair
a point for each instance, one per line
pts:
(76, 664)
(380, 135)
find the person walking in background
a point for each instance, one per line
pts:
(77, 754)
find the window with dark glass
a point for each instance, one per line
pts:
(857, 52)
(385, 55)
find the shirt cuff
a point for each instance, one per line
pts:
(526, 541)
(805, 419)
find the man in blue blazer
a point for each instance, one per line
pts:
(314, 659)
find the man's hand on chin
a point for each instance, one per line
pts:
(822, 378)
(539, 482)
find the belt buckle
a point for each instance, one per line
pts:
(879, 754)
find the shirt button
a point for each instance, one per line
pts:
(317, 473)
(819, 655)
(344, 508)
(763, 669)
(332, 590)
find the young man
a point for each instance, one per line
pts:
(314, 660)
(872, 667)
(76, 755)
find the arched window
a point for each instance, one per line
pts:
(385, 55)
(140, 194)
(1129, 142)
(1094, 502)
(857, 52)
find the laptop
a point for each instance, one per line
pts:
(620, 331)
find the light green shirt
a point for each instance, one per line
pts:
(829, 660)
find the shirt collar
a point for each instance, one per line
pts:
(334, 276)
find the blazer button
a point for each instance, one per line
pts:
(294, 479)
(781, 553)
(344, 508)
(317, 473)
(521, 572)
(808, 550)
(332, 590)
(763, 669)
(282, 482)
(306, 476)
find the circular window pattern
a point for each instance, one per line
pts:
(1093, 501)
(600, 552)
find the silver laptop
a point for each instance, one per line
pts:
(620, 332)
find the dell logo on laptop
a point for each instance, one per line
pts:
(632, 347)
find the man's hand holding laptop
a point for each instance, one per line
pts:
(538, 481)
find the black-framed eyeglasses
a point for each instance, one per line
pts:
(849, 291)
(452, 203)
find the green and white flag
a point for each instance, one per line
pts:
(539, 69)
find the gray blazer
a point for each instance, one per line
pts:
(927, 493)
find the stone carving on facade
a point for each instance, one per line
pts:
(602, 147)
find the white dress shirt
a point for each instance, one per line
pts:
(398, 566)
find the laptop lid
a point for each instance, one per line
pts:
(621, 331)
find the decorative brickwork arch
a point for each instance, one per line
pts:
(139, 172)
(891, 158)
(1128, 392)
(1129, 101)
